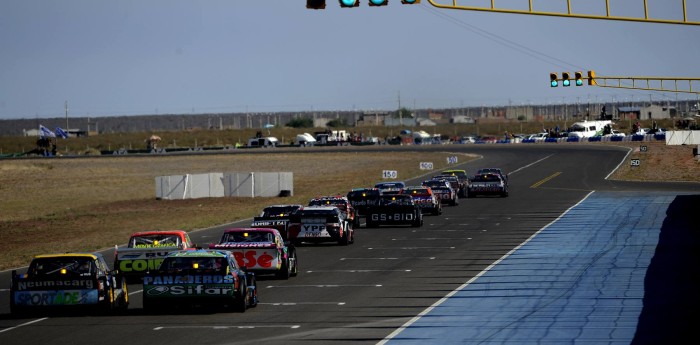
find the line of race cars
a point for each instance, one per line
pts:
(176, 272)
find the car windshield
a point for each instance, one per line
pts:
(363, 194)
(278, 211)
(397, 200)
(193, 264)
(154, 241)
(60, 266)
(339, 203)
(248, 236)
(486, 178)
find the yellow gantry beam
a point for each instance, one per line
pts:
(667, 84)
(570, 13)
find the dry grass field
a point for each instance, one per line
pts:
(58, 205)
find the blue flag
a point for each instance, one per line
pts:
(61, 133)
(45, 132)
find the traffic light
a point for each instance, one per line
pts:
(591, 78)
(349, 3)
(316, 4)
(578, 78)
(378, 2)
(565, 79)
(553, 80)
(410, 2)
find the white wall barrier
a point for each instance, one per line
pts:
(683, 138)
(235, 184)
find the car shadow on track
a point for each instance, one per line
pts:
(671, 311)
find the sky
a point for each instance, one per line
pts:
(137, 57)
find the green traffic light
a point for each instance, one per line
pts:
(579, 82)
(349, 3)
(378, 2)
(566, 82)
(555, 83)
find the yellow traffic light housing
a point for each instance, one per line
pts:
(565, 79)
(553, 80)
(316, 4)
(591, 78)
(578, 78)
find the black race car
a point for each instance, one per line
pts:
(487, 184)
(361, 198)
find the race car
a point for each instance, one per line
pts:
(260, 250)
(424, 197)
(68, 281)
(463, 178)
(446, 195)
(276, 217)
(340, 202)
(146, 250)
(321, 224)
(395, 210)
(452, 180)
(498, 171)
(197, 278)
(487, 184)
(361, 198)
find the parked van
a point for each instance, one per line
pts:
(263, 142)
(305, 139)
(587, 129)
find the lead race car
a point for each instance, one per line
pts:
(260, 250)
(68, 282)
(487, 184)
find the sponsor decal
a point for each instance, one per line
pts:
(140, 255)
(245, 245)
(140, 265)
(55, 298)
(38, 284)
(269, 223)
(313, 230)
(190, 290)
(187, 279)
(251, 259)
(383, 217)
(153, 245)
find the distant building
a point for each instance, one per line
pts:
(425, 122)
(462, 119)
(657, 112)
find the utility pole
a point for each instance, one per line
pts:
(400, 115)
(65, 106)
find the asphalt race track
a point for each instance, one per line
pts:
(571, 282)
